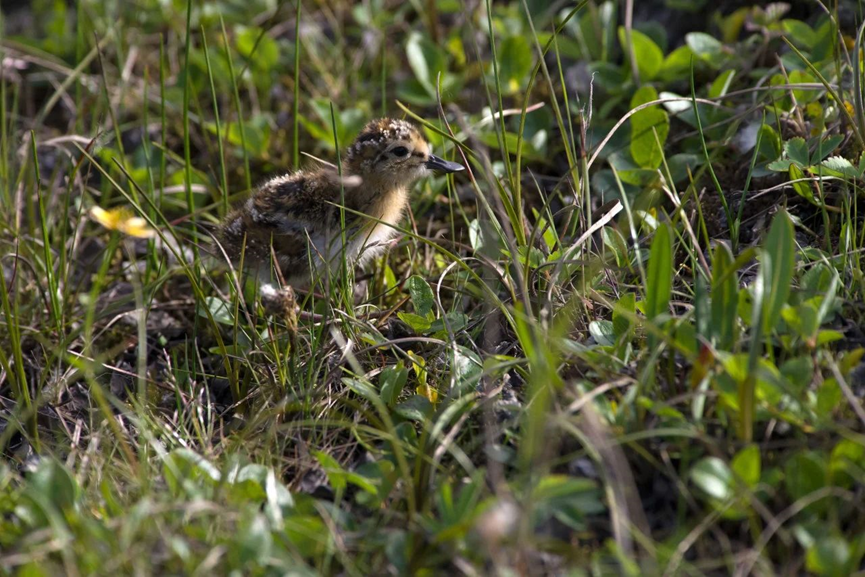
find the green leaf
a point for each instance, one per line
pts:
(714, 478)
(466, 367)
(417, 323)
(615, 242)
(801, 186)
(705, 47)
(722, 84)
(421, 295)
(747, 465)
(646, 149)
(841, 167)
(825, 147)
(799, 32)
(829, 556)
(219, 309)
(725, 297)
(515, 63)
(622, 323)
(265, 55)
(187, 470)
(804, 474)
(335, 473)
(677, 64)
(256, 135)
(602, 332)
(392, 380)
(254, 541)
(660, 274)
(416, 408)
(796, 149)
(770, 143)
(803, 97)
(846, 463)
(426, 61)
(650, 58)
(779, 260)
(52, 484)
(308, 533)
(456, 321)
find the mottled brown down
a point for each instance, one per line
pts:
(295, 218)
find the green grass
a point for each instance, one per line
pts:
(585, 355)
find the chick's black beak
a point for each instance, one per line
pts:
(436, 163)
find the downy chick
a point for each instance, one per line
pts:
(298, 215)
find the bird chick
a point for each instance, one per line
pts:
(296, 217)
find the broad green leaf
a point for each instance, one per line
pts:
(799, 32)
(803, 97)
(841, 167)
(798, 371)
(392, 380)
(829, 556)
(602, 332)
(515, 63)
(308, 533)
(615, 242)
(677, 64)
(649, 56)
(825, 147)
(705, 47)
(258, 47)
(256, 134)
(646, 148)
(219, 309)
(779, 260)
(747, 465)
(802, 318)
(187, 470)
(416, 408)
(622, 323)
(770, 143)
(332, 468)
(801, 186)
(467, 368)
(426, 60)
(254, 540)
(51, 485)
(714, 478)
(660, 273)
(418, 324)
(796, 149)
(846, 463)
(804, 474)
(721, 84)
(421, 295)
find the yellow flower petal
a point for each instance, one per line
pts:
(121, 220)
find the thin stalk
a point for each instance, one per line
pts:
(295, 152)
(187, 146)
(238, 109)
(705, 147)
(56, 315)
(220, 145)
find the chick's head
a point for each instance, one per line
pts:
(394, 151)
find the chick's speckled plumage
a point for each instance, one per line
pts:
(296, 217)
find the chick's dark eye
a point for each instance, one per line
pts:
(400, 151)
